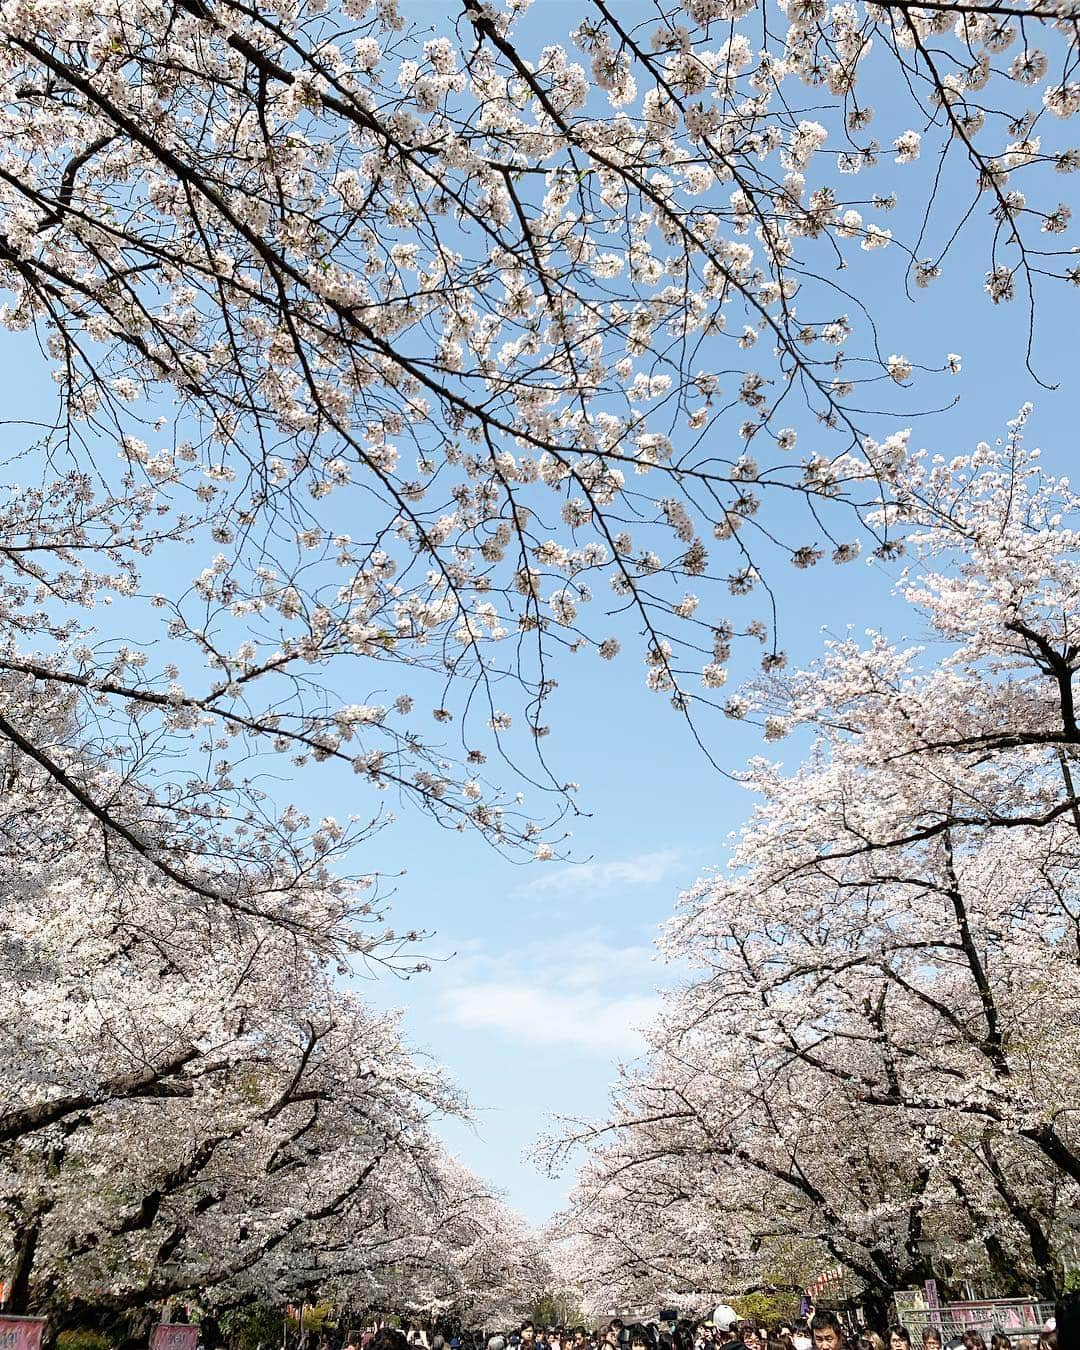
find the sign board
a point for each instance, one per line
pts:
(21, 1333)
(933, 1303)
(173, 1336)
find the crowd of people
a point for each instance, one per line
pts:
(931, 1339)
(724, 1330)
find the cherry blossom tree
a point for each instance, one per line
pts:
(190, 1104)
(660, 1218)
(379, 351)
(471, 1259)
(877, 1050)
(215, 1119)
(413, 339)
(181, 1102)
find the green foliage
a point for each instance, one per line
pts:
(245, 1328)
(81, 1338)
(767, 1309)
(263, 1323)
(317, 1317)
(551, 1310)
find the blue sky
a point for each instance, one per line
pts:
(542, 973)
(553, 966)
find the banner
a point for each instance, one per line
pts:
(173, 1336)
(21, 1333)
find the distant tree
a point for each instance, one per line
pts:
(879, 1045)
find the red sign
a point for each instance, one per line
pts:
(21, 1333)
(172, 1336)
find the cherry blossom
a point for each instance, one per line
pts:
(876, 1049)
(396, 288)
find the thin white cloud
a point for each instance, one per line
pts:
(641, 869)
(578, 958)
(585, 1020)
(587, 961)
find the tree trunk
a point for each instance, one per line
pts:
(877, 1308)
(24, 1244)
